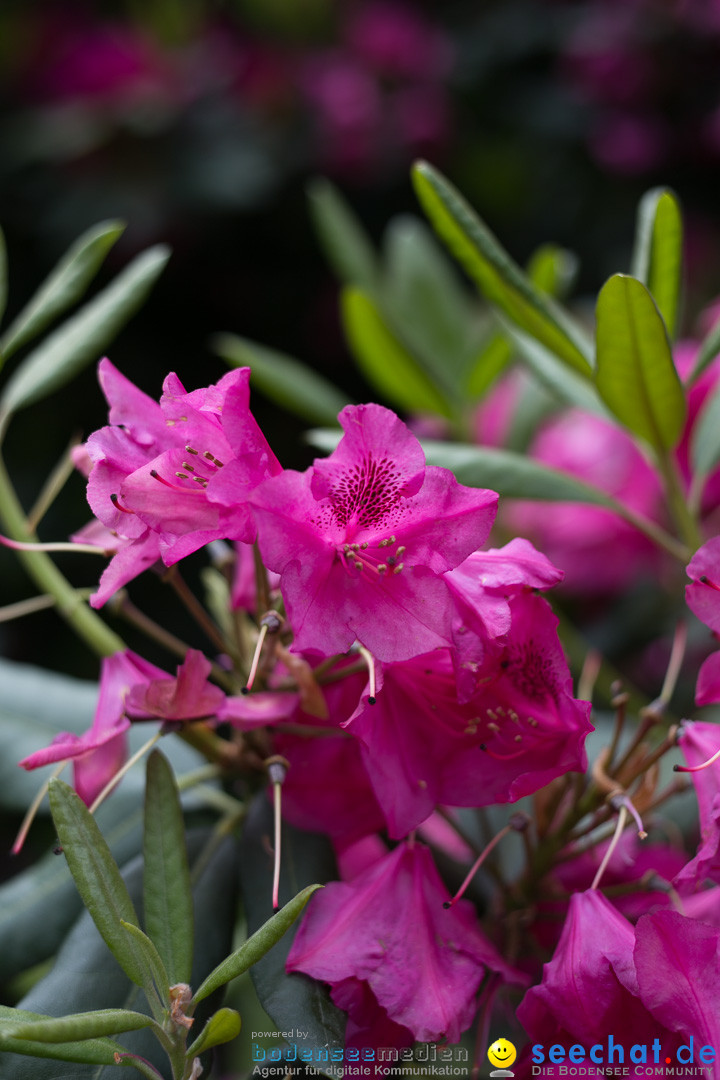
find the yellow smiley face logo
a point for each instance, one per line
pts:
(502, 1053)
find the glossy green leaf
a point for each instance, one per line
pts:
(167, 896)
(657, 255)
(498, 276)
(96, 876)
(64, 287)
(511, 474)
(222, 1027)
(88, 1025)
(90, 1051)
(423, 300)
(256, 946)
(553, 270)
(636, 376)
(83, 337)
(347, 246)
(705, 441)
(154, 970)
(291, 999)
(709, 349)
(387, 365)
(286, 381)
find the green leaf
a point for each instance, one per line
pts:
(491, 361)
(657, 255)
(154, 969)
(97, 877)
(347, 246)
(563, 383)
(88, 1025)
(222, 1027)
(85, 335)
(167, 896)
(90, 1051)
(636, 376)
(511, 474)
(705, 440)
(291, 999)
(384, 360)
(707, 352)
(255, 947)
(286, 381)
(65, 285)
(424, 303)
(553, 270)
(498, 276)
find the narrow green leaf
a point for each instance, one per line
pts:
(498, 276)
(256, 946)
(287, 382)
(88, 1025)
(657, 255)
(87, 1052)
(384, 360)
(347, 246)
(222, 1027)
(563, 383)
(154, 969)
(83, 337)
(705, 441)
(96, 876)
(636, 376)
(64, 287)
(511, 474)
(3, 281)
(490, 362)
(553, 270)
(707, 352)
(167, 896)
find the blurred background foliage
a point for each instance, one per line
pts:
(201, 124)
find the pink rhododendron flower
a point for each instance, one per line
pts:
(398, 902)
(361, 540)
(520, 729)
(699, 742)
(703, 599)
(188, 697)
(100, 752)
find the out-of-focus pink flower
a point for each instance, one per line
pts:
(365, 936)
(100, 752)
(361, 540)
(397, 41)
(699, 742)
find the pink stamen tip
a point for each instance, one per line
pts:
(705, 580)
(119, 506)
(156, 476)
(698, 768)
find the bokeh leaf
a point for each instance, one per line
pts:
(347, 246)
(709, 349)
(387, 365)
(167, 895)
(85, 335)
(636, 376)
(553, 269)
(498, 276)
(64, 287)
(287, 382)
(657, 254)
(705, 440)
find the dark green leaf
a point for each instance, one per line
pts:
(384, 360)
(499, 278)
(657, 255)
(707, 352)
(636, 376)
(553, 270)
(154, 969)
(255, 947)
(510, 474)
(85, 335)
(292, 1000)
(287, 382)
(347, 247)
(87, 1025)
(64, 287)
(222, 1027)
(97, 877)
(91, 1051)
(167, 894)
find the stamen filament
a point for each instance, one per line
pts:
(622, 818)
(698, 768)
(33, 809)
(115, 780)
(19, 545)
(256, 659)
(370, 661)
(118, 505)
(277, 768)
(477, 864)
